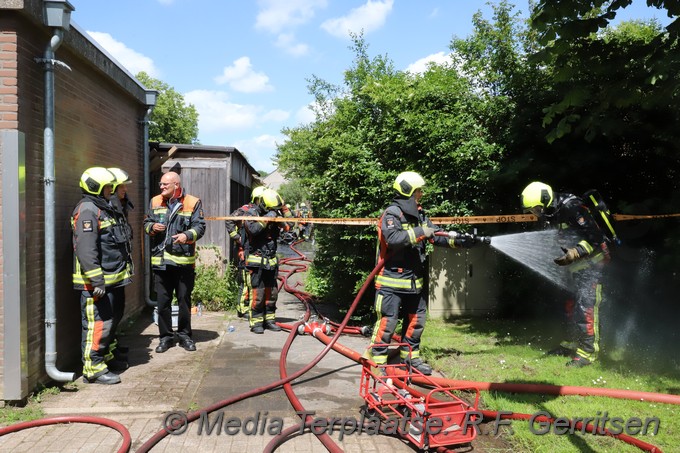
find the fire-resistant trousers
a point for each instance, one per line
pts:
(98, 329)
(243, 296)
(586, 314)
(390, 306)
(177, 280)
(263, 295)
(118, 312)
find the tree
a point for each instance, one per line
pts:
(513, 91)
(380, 123)
(618, 99)
(294, 192)
(620, 103)
(633, 67)
(173, 121)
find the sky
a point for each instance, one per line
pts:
(245, 64)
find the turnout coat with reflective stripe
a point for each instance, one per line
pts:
(100, 246)
(401, 244)
(578, 229)
(185, 216)
(260, 248)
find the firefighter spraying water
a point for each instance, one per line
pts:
(403, 232)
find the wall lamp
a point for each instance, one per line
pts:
(57, 13)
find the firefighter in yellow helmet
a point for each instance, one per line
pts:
(261, 261)
(402, 231)
(101, 270)
(584, 253)
(235, 229)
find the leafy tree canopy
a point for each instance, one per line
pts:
(586, 51)
(173, 120)
(379, 123)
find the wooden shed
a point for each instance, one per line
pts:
(219, 175)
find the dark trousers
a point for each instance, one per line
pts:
(98, 323)
(390, 306)
(177, 281)
(118, 312)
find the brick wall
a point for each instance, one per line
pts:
(97, 122)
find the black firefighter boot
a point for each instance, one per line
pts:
(257, 328)
(271, 325)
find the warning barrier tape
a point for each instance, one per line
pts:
(643, 217)
(464, 220)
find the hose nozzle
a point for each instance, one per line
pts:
(482, 239)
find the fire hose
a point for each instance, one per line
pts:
(258, 391)
(321, 330)
(124, 448)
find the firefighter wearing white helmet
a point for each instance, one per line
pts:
(402, 231)
(101, 270)
(122, 205)
(584, 253)
(121, 200)
(304, 227)
(261, 261)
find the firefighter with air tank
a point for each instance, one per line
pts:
(236, 231)
(101, 270)
(585, 253)
(403, 230)
(261, 262)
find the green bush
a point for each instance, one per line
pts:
(214, 288)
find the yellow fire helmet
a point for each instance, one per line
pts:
(257, 194)
(537, 194)
(94, 179)
(407, 182)
(271, 199)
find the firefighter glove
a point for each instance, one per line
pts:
(570, 255)
(98, 292)
(428, 232)
(464, 240)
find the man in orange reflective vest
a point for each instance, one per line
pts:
(174, 222)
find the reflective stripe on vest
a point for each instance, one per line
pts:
(180, 260)
(254, 260)
(109, 279)
(397, 283)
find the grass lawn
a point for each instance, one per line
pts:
(9, 415)
(511, 351)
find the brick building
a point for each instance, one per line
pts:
(98, 115)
